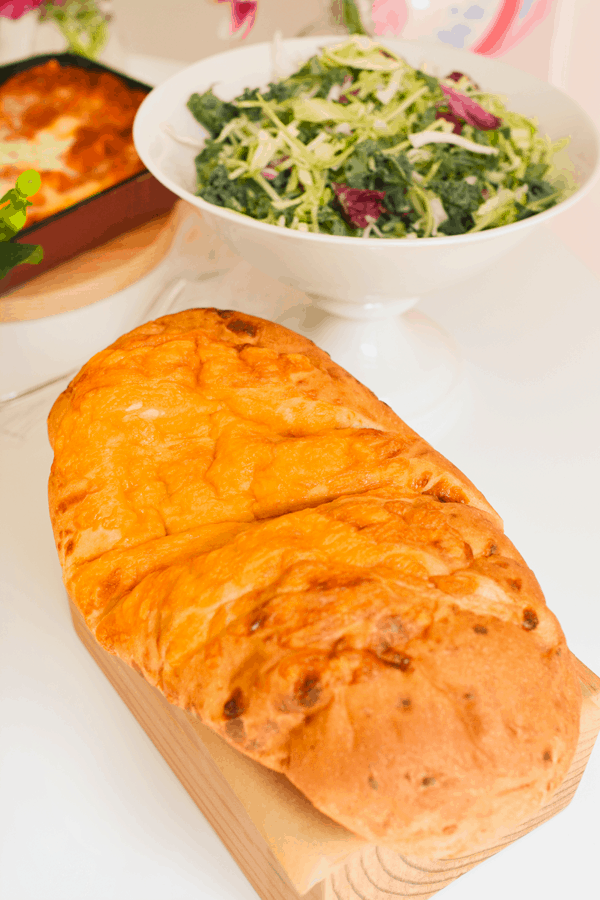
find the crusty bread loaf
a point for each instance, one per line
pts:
(267, 543)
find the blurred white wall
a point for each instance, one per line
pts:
(575, 67)
(189, 29)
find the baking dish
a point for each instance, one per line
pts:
(96, 219)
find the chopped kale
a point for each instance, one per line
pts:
(242, 196)
(458, 221)
(425, 118)
(331, 78)
(331, 222)
(431, 82)
(459, 194)
(333, 148)
(253, 112)
(523, 212)
(278, 91)
(535, 172)
(539, 190)
(211, 112)
(207, 160)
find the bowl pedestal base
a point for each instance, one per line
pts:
(404, 357)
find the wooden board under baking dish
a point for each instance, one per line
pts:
(238, 795)
(95, 274)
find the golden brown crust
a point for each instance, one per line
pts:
(271, 546)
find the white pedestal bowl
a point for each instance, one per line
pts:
(365, 287)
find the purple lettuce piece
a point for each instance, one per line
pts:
(269, 172)
(444, 114)
(362, 207)
(458, 76)
(469, 111)
(348, 82)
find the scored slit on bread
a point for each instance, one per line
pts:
(274, 549)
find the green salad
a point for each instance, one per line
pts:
(359, 143)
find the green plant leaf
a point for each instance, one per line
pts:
(351, 17)
(12, 255)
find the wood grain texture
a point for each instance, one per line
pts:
(198, 773)
(95, 274)
(368, 872)
(375, 873)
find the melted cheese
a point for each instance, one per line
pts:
(72, 126)
(44, 153)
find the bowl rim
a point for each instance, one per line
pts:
(350, 240)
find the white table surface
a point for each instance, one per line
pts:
(89, 810)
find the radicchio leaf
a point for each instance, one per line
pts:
(458, 76)
(346, 93)
(469, 111)
(270, 172)
(346, 84)
(458, 125)
(362, 207)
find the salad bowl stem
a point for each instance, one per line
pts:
(404, 357)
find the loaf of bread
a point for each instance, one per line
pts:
(273, 548)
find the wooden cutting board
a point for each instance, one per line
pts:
(97, 273)
(238, 796)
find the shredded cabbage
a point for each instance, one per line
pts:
(360, 117)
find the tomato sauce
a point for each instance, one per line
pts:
(74, 126)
